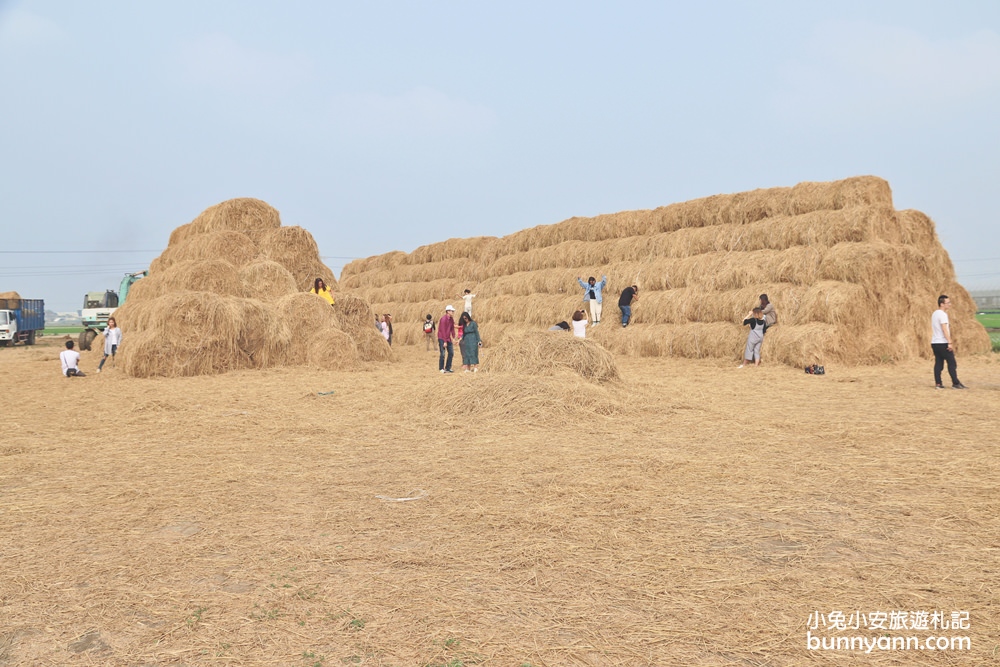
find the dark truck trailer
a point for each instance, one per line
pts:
(21, 320)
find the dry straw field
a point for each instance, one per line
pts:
(686, 513)
(851, 276)
(259, 480)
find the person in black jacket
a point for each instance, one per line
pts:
(629, 294)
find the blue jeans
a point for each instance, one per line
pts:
(451, 354)
(626, 314)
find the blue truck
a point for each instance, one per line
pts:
(21, 320)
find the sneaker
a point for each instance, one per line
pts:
(740, 366)
(959, 386)
(939, 386)
(442, 370)
(447, 370)
(98, 370)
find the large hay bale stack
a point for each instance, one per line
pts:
(228, 294)
(854, 280)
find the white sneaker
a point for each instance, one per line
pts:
(740, 366)
(98, 370)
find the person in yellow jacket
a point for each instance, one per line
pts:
(319, 287)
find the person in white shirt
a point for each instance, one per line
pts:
(112, 339)
(580, 324)
(468, 301)
(941, 343)
(70, 359)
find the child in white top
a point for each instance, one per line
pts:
(580, 324)
(468, 302)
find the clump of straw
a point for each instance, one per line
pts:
(546, 352)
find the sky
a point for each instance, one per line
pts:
(384, 126)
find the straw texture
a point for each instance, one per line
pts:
(228, 293)
(853, 280)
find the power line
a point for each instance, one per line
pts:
(68, 252)
(67, 266)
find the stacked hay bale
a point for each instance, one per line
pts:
(230, 292)
(11, 300)
(853, 279)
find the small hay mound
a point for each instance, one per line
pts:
(546, 352)
(228, 294)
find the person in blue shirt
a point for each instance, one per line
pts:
(592, 296)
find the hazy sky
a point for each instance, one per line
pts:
(388, 125)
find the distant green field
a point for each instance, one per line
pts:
(989, 319)
(995, 337)
(61, 331)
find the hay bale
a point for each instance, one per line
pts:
(231, 246)
(201, 333)
(252, 217)
(296, 250)
(545, 352)
(11, 300)
(266, 281)
(206, 275)
(332, 350)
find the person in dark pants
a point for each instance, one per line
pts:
(629, 294)
(941, 343)
(446, 338)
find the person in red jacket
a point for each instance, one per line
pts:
(446, 340)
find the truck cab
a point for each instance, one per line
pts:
(97, 308)
(8, 325)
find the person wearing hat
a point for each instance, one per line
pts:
(446, 339)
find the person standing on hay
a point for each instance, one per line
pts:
(470, 343)
(580, 324)
(70, 359)
(767, 308)
(751, 353)
(592, 296)
(446, 339)
(429, 330)
(629, 294)
(468, 297)
(319, 288)
(941, 343)
(112, 339)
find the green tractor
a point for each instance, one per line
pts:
(98, 307)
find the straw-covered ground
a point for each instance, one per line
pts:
(687, 513)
